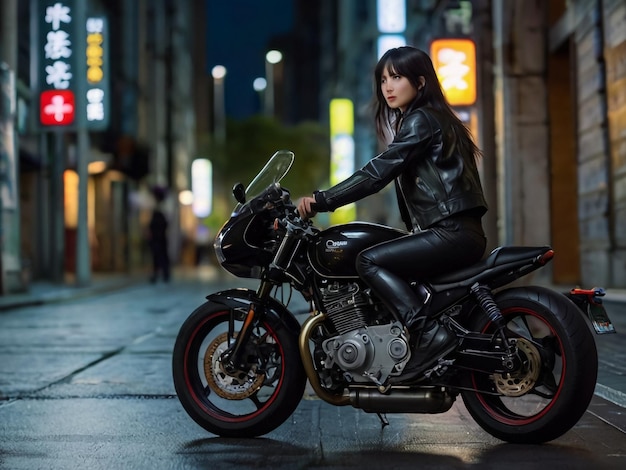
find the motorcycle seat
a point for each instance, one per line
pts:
(499, 256)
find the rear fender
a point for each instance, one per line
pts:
(590, 303)
(239, 300)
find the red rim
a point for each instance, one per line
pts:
(489, 402)
(211, 410)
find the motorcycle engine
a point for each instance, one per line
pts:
(346, 306)
(365, 353)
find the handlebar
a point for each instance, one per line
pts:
(312, 209)
(299, 226)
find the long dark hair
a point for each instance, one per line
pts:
(413, 64)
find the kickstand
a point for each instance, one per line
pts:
(383, 419)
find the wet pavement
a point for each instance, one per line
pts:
(85, 382)
(611, 348)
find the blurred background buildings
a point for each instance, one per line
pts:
(160, 84)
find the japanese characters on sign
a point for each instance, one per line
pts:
(455, 63)
(72, 60)
(57, 97)
(97, 81)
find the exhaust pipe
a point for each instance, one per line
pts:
(424, 400)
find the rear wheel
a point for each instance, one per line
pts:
(240, 403)
(549, 393)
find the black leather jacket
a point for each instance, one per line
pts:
(430, 185)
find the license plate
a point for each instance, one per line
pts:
(590, 300)
(600, 319)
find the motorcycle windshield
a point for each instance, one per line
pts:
(273, 171)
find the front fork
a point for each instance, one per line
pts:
(233, 359)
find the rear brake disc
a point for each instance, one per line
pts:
(521, 381)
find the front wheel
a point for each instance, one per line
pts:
(242, 403)
(555, 384)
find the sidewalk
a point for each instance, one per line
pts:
(42, 292)
(611, 383)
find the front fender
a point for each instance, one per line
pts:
(239, 300)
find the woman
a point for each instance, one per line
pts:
(432, 160)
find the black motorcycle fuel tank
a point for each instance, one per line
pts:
(334, 252)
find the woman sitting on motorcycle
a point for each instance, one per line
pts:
(432, 160)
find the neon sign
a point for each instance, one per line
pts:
(455, 63)
(56, 104)
(97, 81)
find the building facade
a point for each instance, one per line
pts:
(148, 142)
(549, 118)
(559, 80)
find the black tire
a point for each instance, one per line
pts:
(241, 404)
(566, 369)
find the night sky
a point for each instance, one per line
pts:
(237, 37)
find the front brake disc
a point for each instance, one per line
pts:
(233, 386)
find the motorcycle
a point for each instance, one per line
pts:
(525, 362)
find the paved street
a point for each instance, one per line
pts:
(86, 384)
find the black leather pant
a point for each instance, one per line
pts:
(387, 268)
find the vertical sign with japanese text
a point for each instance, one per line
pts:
(57, 64)
(73, 57)
(97, 73)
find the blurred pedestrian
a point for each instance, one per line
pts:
(158, 239)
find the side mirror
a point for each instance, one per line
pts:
(239, 191)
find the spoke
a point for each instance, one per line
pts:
(551, 343)
(549, 381)
(256, 401)
(519, 327)
(540, 394)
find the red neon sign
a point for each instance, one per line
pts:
(56, 107)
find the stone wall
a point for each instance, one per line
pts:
(521, 123)
(614, 20)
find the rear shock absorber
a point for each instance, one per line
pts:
(485, 300)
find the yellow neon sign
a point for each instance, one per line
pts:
(341, 116)
(94, 57)
(341, 152)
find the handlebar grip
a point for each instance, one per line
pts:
(315, 207)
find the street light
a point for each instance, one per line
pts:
(272, 58)
(219, 113)
(260, 85)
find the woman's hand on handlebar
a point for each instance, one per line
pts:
(304, 207)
